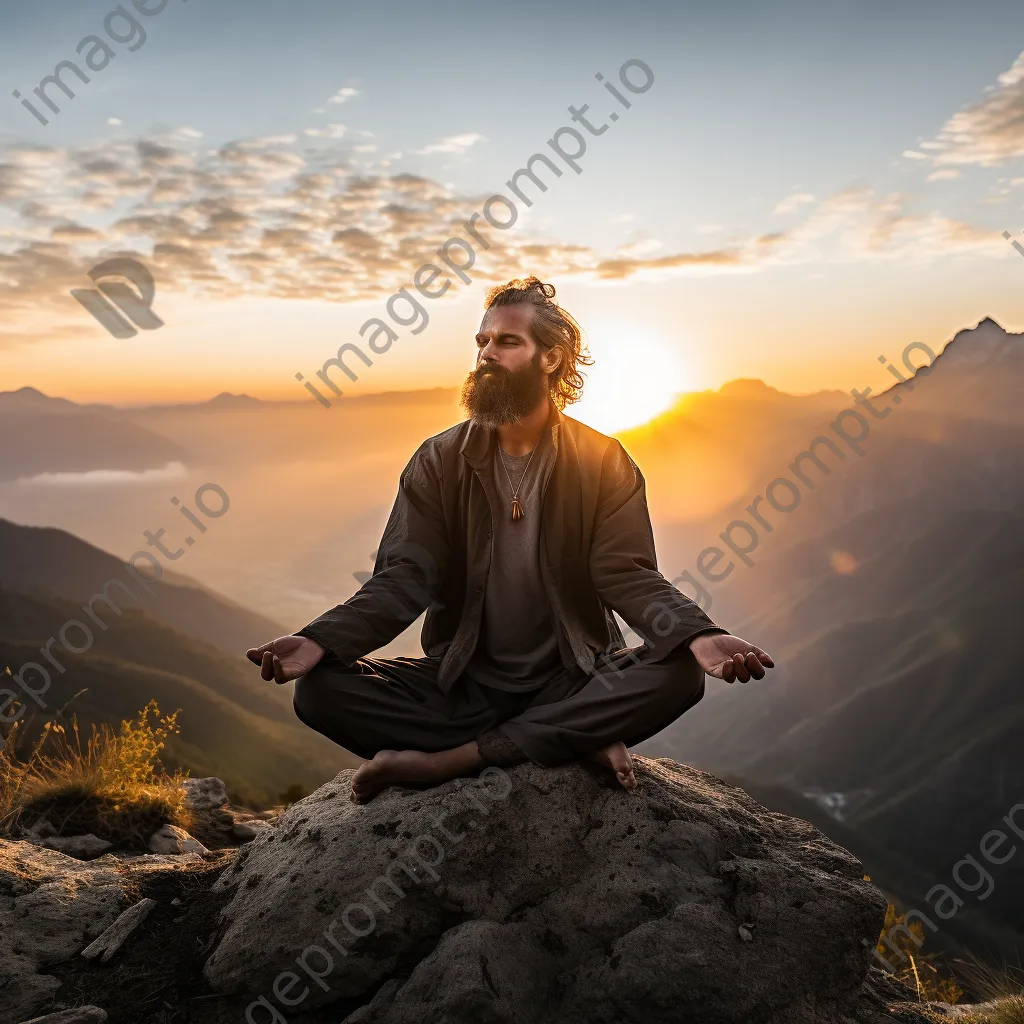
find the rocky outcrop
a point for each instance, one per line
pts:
(538, 895)
(51, 906)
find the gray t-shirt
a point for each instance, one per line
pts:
(518, 644)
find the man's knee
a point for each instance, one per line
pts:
(684, 677)
(307, 697)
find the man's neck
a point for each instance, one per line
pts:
(522, 437)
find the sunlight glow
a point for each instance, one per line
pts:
(635, 377)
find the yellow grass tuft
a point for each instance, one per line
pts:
(112, 785)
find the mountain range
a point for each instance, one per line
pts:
(889, 597)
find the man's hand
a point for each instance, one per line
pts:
(286, 658)
(728, 657)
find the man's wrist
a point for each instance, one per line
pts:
(705, 632)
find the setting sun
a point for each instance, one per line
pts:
(634, 378)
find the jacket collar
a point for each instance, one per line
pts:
(478, 445)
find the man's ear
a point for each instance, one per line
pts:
(551, 360)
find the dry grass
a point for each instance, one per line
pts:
(1001, 988)
(111, 785)
(922, 973)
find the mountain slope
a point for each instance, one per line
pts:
(49, 561)
(233, 724)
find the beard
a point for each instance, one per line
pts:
(496, 397)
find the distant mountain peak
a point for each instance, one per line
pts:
(748, 387)
(226, 398)
(989, 322)
(32, 399)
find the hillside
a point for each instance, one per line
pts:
(233, 724)
(891, 600)
(49, 561)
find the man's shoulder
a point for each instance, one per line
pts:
(449, 440)
(592, 445)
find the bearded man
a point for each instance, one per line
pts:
(519, 531)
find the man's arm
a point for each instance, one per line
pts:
(411, 560)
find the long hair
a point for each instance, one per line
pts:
(553, 327)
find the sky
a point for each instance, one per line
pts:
(794, 189)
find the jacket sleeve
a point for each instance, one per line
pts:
(623, 562)
(411, 560)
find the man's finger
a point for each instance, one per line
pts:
(267, 666)
(255, 654)
(741, 668)
(764, 658)
(726, 671)
(754, 666)
(280, 675)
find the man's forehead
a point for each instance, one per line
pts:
(515, 319)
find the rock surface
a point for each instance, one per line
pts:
(538, 895)
(51, 906)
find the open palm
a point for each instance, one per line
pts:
(729, 657)
(286, 658)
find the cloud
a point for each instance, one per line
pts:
(294, 216)
(344, 95)
(452, 144)
(332, 131)
(990, 131)
(946, 174)
(792, 203)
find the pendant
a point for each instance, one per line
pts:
(517, 511)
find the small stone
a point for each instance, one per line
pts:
(114, 937)
(246, 830)
(85, 847)
(745, 933)
(176, 902)
(42, 829)
(490, 848)
(79, 1015)
(205, 794)
(171, 839)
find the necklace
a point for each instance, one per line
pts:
(517, 508)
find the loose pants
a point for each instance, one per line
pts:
(395, 704)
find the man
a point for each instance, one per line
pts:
(520, 531)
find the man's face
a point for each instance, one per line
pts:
(511, 375)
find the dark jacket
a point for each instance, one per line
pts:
(597, 555)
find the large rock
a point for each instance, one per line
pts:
(51, 906)
(539, 895)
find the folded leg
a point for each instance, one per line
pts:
(627, 699)
(395, 704)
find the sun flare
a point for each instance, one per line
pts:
(634, 378)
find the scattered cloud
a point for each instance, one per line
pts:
(946, 174)
(793, 203)
(311, 217)
(332, 131)
(990, 131)
(115, 121)
(344, 95)
(452, 144)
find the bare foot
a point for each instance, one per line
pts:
(616, 757)
(392, 766)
